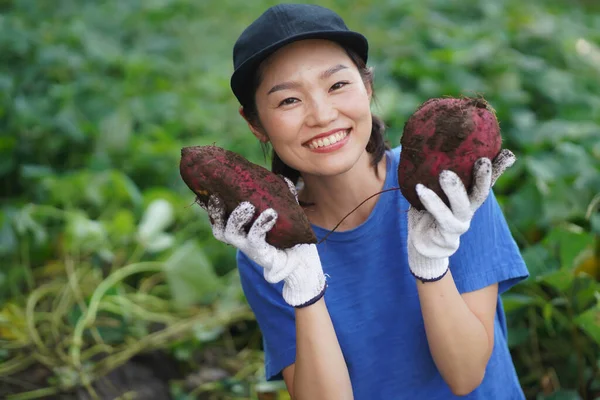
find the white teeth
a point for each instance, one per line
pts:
(327, 141)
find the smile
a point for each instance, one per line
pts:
(328, 140)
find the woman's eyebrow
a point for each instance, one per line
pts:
(283, 86)
(327, 73)
(290, 85)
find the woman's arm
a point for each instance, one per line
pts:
(320, 371)
(460, 330)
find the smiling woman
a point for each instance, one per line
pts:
(350, 76)
(353, 317)
(309, 93)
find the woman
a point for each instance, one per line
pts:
(396, 303)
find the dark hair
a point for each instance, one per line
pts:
(376, 146)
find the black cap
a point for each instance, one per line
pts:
(281, 25)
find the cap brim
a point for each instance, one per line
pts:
(350, 39)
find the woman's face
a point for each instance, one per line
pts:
(314, 107)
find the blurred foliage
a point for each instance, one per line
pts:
(106, 259)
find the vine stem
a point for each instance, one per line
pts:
(90, 315)
(356, 208)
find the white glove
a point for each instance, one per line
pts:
(299, 267)
(434, 233)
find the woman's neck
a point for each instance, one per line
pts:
(334, 197)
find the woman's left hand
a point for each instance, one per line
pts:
(434, 233)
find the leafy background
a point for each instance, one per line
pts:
(111, 285)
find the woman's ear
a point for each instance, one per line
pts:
(254, 128)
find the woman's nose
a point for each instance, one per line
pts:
(321, 112)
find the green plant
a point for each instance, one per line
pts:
(554, 318)
(98, 98)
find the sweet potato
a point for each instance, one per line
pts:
(446, 134)
(211, 169)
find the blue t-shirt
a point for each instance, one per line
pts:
(374, 305)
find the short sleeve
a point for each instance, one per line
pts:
(275, 318)
(488, 253)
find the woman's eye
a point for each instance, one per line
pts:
(338, 85)
(288, 101)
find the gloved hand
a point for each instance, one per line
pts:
(434, 233)
(299, 267)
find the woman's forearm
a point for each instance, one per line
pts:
(320, 370)
(458, 340)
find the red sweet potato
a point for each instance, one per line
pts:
(446, 134)
(210, 170)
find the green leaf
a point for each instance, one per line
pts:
(120, 187)
(560, 280)
(518, 336)
(157, 217)
(191, 276)
(159, 242)
(515, 301)
(589, 322)
(547, 313)
(83, 231)
(567, 241)
(24, 222)
(539, 261)
(121, 227)
(585, 292)
(115, 132)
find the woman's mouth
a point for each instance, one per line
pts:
(328, 141)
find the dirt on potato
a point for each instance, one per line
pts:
(446, 134)
(210, 170)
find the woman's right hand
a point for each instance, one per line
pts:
(319, 370)
(299, 267)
